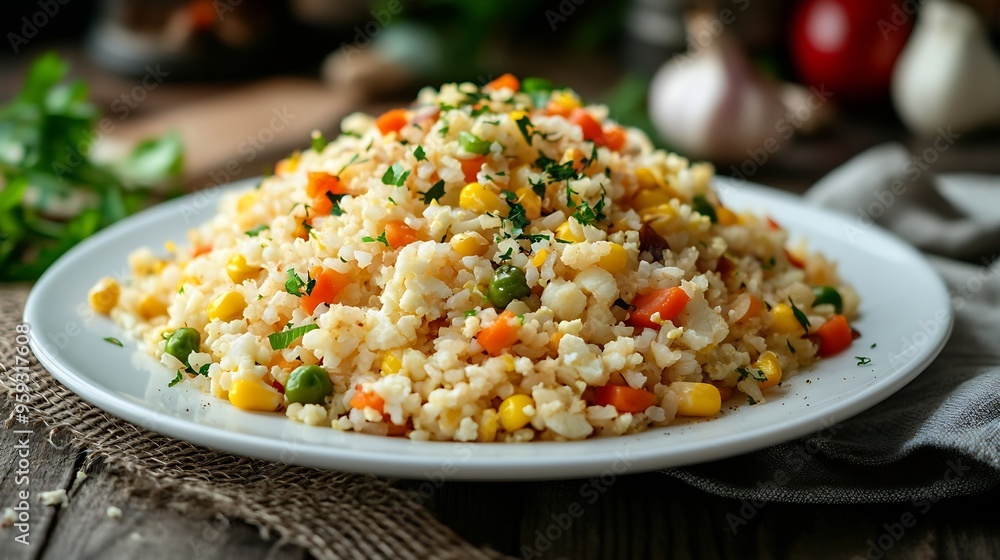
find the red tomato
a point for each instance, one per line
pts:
(849, 47)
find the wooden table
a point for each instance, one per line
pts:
(637, 516)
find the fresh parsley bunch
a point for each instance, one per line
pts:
(53, 194)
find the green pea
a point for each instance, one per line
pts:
(472, 143)
(308, 385)
(826, 294)
(182, 342)
(508, 284)
(530, 85)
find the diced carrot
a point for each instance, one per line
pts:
(624, 398)
(795, 260)
(500, 335)
(199, 250)
(398, 234)
(591, 128)
(392, 121)
(363, 399)
(668, 302)
(321, 183)
(508, 81)
(772, 224)
(471, 167)
(754, 309)
(834, 336)
(329, 284)
(613, 137)
(555, 109)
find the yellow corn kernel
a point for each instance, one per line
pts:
(615, 260)
(646, 179)
(170, 247)
(477, 198)
(238, 269)
(539, 259)
(565, 233)
(531, 202)
(254, 395)
(554, 342)
(469, 244)
(517, 115)
(565, 99)
(768, 364)
(227, 306)
(150, 307)
(784, 319)
(726, 216)
(512, 414)
(247, 201)
(649, 198)
(289, 164)
(391, 364)
(103, 297)
(488, 425)
(697, 399)
(508, 362)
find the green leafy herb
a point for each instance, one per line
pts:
(180, 290)
(534, 237)
(863, 360)
(395, 175)
(203, 370)
(702, 206)
(177, 378)
(434, 193)
(335, 209)
(392, 201)
(590, 215)
(283, 339)
(473, 144)
(318, 142)
(113, 340)
(516, 214)
(624, 304)
(751, 372)
(538, 188)
(47, 132)
(538, 88)
(419, 153)
(253, 232)
(506, 256)
(799, 315)
(790, 347)
(750, 400)
(526, 128)
(470, 313)
(873, 345)
(350, 162)
(769, 264)
(380, 239)
(295, 285)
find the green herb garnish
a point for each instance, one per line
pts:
(318, 142)
(380, 239)
(863, 360)
(470, 313)
(177, 378)
(799, 315)
(113, 340)
(283, 339)
(419, 153)
(702, 206)
(253, 232)
(295, 285)
(395, 175)
(473, 144)
(434, 193)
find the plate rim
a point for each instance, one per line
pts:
(543, 465)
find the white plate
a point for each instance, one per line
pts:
(905, 310)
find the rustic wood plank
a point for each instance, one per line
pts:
(50, 468)
(149, 528)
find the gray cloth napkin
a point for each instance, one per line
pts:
(939, 436)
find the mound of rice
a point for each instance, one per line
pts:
(589, 212)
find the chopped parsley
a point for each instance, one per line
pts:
(516, 215)
(751, 372)
(434, 193)
(526, 128)
(769, 264)
(283, 339)
(395, 175)
(799, 315)
(863, 360)
(113, 340)
(590, 215)
(473, 144)
(177, 378)
(253, 232)
(506, 256)
(295, 285)
(624, 304)
(181, 290)
(419, 153)
(353, 159)
(790, 347)
(392, 201)
(750, 400)
(335, 209)
(873, 345)
(702, 206)
(470, 313)
(534, 237)
(380, 239)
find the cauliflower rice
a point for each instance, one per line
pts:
(382, 235)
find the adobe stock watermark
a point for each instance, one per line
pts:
(895, 529)
(31, 25)
(902, 13)
(562, 13)
(886, 197)
(796, 458)
(590, 492)
(364, 35)
(785, 128)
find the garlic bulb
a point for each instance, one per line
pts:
(711, 103)
(947, 75)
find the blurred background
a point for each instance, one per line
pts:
(111, 105)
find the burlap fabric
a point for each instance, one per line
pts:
(362, 516)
